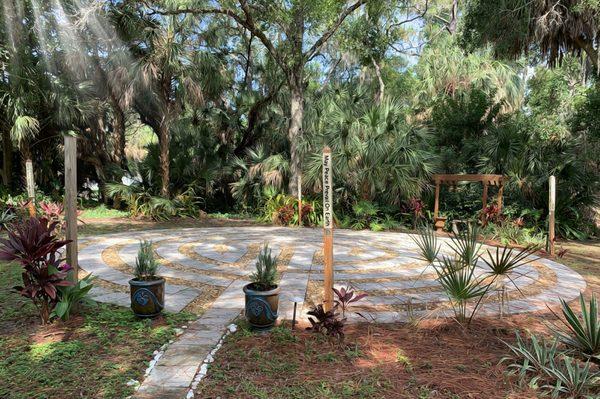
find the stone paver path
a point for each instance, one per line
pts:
(385, 265)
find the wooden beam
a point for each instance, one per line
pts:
(30, 183)
(71, 202)
(327, 230)
(436, 205)
(551, 210)
(499, 199)
(300, 200)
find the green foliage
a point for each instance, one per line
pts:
(73, 295)
(543, 366)
(146, 265)
(427, 242)
(583, 332)
(502, 264)
(460, 284)
(465, 245)
(265, 276)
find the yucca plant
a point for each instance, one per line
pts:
(145, 263)
(427, 242)
(264, 277)
(6, 219)
(572, 379)
(465, 245)
(502, 263)
(460, 285)
(531, 358)
(583, 333)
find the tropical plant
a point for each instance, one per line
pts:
(146, 264)
(264, 277)
(346, 296)
(461, 286)
(73, 295)
(427, 242)
(326, 322)
(582, 333)
(36, 247)
(465, 245)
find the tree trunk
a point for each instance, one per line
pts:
(119, 132)
(6, 158)
(163, 159)
(453, 17)
(381, 90)
(295, 135)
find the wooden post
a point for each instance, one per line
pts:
(485, 194)
(299, 200)
(551, 209)
(71, 202)
(30, 183)
(499, 201)
(436, 205)
(327, 230)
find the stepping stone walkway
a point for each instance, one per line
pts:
(385, 265)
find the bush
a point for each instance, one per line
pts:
(145, 263)
(266, 270)
(35, 246)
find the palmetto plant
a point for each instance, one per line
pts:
(465, 245)
(582, 333)
(461, 286)
(503, 263)
(427, 242)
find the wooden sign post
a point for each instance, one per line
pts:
(71, 202)
(30, 183)
(551, 209)
(327, 229)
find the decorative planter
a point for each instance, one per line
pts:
(261, 306)
(440, 222)
(147, 297)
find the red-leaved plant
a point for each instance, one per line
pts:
(34, 244)
(345, 297)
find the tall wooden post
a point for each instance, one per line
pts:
(436, 205)
(500, 193)
(551, 209)
(71, 201)
(300, 200)
(30, 183)
(327, 230)
(485, 194)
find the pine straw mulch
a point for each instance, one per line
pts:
(435, 359)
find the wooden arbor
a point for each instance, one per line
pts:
(452, 180)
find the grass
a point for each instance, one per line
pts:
(91, 356)
(102, 212)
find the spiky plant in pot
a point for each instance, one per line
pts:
(262, 294)
(147, 289)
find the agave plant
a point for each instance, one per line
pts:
(460, 285)
(6, 219)
(465, 245)
(583, 333)
(427, 242)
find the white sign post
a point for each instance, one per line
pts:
(327, 229)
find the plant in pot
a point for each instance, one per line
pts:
(262, 294)
(147, 289)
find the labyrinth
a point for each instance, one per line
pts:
(207, 267)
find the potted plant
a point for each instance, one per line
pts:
(262, 294)
(147, 289)
(440, 222)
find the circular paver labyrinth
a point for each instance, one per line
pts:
(218, 260)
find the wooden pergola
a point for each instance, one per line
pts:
(452, 180)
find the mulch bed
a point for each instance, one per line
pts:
(438, 357)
